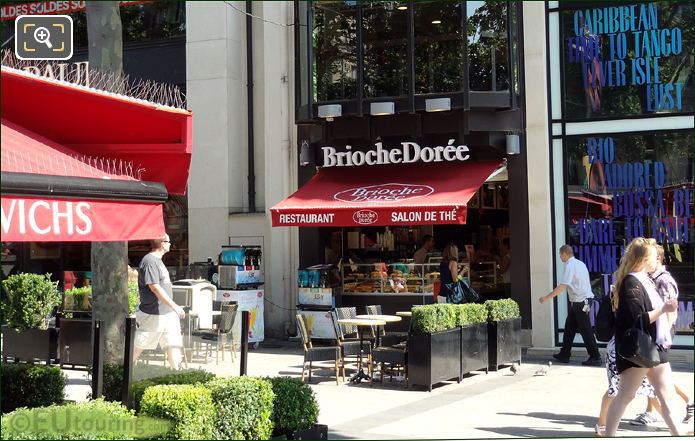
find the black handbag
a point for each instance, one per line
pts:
(454, 293)
(604, 326)
(469, 293)
(638, 347)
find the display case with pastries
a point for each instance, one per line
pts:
(394, 278)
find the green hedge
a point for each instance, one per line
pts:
(295, 406)
(503, 309)
(96, 419)
(31, 385)
(191, 377)
(30, 299)
(470, 313)
(244, 407)
(190, 409)
(428, 319)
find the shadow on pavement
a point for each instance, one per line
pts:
(530, 432)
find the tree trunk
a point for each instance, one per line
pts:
(105, 36)
(110, 295)
(109, 259)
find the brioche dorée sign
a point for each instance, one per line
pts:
(384, 193)
(407, 153)
(62, 220)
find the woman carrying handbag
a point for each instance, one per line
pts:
(638, 308)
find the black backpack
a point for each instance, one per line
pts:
(604, 326)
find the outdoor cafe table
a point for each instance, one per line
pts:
(385, 318)
(405, 313)
(361, 323)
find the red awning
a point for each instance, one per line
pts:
(412, 194)
(155, 138)
(29, 219)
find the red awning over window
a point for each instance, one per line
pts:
(412, 194)
(156, 139)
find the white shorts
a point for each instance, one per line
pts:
(154, 329)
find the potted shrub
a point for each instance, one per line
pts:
(504, 332)
(472, 318)
(75, 335)
(29, 301)
(434, 345)
(295, 410)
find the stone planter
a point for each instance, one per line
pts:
(75, 342)
(433, 358)
(30, 345)
(504, 342)
(474, 348)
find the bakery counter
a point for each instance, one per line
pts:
(390, 303)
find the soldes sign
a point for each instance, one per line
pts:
(365, 217)
(392, 192)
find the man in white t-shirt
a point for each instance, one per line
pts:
(578, 286)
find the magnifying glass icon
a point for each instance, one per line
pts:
(42, 35)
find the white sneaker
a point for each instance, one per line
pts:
(644, 419)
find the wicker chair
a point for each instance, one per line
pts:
(223, 333)
(387, 338)
(318, 353)
(351, 347)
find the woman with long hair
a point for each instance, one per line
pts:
(637, 299)
(448, 269)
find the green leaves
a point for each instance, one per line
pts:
(138, 388)
(133, 296)
(29, 385)
(244, 407)
(30, 300)
(295, 405)
(428, 319)
(190, 408)
(502, 309)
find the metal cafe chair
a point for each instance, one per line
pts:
(223, 335)
(387, 338)
(351, 347)
(318, 353)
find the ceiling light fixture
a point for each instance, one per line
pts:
(436, 22)
(402, 8)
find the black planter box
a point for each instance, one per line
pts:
(317, 431)
(474, 348)
(504, 342)
(33, 344)
(75, 342)
(433, 358)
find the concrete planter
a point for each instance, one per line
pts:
(474, 348)
(33, 344)
(504, 342)
(433, 358)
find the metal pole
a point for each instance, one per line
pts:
(128, 360)
(244, 341)
(97, 359)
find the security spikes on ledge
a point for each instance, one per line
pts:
(543, 370)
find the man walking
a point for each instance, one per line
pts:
(158, 316)
(578, 285)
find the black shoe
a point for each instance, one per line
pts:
(561, 358)
(593, 362)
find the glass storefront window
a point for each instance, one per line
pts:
(487, 45)
(627, 59)
(335, 50)
(622, 186)
(439, 47)
(385, 41)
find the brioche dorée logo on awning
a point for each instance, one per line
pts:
(384, 193)
(406, 153)
(365, 217)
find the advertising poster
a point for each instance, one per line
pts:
(319, 324)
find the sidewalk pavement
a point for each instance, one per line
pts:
(564, 403)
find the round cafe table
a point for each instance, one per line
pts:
(361, 323)
(405, 313)
(385, 318)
